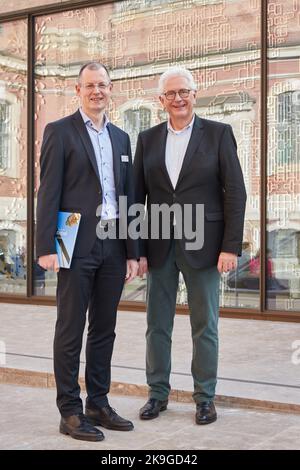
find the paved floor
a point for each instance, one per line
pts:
(258, 359)
(29, 420)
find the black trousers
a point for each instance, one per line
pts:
(95, 284)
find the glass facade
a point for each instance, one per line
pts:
(13, 156)
(16, 5)
(283, 171)
(220, 42)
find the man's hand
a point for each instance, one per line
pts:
(49, 262)
(227, 262)
(143, 266)
(132, 270)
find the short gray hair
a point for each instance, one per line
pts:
(175, 72)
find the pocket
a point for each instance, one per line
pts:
(214, 216)
(70, 209)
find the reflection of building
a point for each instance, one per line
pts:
(13, 158)
(136, 120)
(219, 41)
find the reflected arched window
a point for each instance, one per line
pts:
(135, 121)
(7, 252)
(284, 243)
(4, 135)
(288, 127)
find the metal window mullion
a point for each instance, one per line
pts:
(263, 152)
(30, 153)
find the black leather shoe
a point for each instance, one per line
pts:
(108, 418)
(78, 427)
(206, 412)
(152, 408)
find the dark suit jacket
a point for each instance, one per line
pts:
(70, 182)
(210, 175)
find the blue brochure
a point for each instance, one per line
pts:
(65, 239)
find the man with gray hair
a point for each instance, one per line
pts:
(188, 161)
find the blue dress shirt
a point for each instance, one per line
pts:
(104, 156)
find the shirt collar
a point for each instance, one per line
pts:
(88, 120)
(170, 128)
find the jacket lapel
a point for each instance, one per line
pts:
(161, 152)
(117, 152)
(84, 135)
(195, 140)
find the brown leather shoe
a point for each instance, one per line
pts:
(152, 408)
(108, 418)
(206, 412)
(78, 427)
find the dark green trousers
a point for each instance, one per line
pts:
(203, 300)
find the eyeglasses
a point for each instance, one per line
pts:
(93, 86)
(171, 94)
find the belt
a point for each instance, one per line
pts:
(106, 223)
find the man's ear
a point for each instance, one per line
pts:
(77, 88)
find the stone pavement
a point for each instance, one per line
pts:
(29, 420)
(259, 368)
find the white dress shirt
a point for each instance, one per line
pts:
(176, 145)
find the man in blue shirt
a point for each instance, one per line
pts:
(84, 169)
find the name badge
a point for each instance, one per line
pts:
(124, 158)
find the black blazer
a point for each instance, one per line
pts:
(210, 175)
(69, 181)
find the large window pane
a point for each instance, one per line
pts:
(15, 5)
(64, 41)
(138, 40)
(283, 268)
(13, 156)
